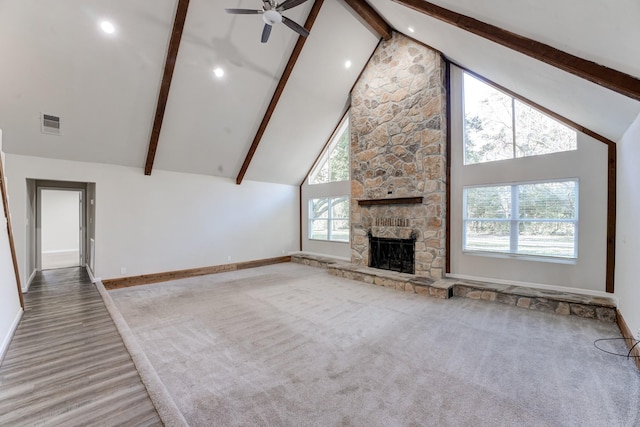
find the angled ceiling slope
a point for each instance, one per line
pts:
(165, 85)
(105, 87)
(209, 121)
(282, 83)
(56, 60)
(315, 97)
(588, 30)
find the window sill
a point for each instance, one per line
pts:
(519, 257)
(327, 240)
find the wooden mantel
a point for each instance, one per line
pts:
(392, 201)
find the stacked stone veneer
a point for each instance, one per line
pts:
(398, 149)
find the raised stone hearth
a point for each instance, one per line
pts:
(563, 303)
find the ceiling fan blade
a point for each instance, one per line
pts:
(266, 31)
(244, 11)
(295, 27)
(288, 4)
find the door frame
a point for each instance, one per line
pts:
(82, 226)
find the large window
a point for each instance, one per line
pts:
(539, 219)
(329, 219)
(333, 165)
(498, 126)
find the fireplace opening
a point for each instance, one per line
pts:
(392, 254)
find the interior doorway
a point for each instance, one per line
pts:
(60, 231)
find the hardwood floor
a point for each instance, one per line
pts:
(67, 364)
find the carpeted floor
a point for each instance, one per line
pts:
(290, 345)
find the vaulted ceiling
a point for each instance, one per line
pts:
(55, 59)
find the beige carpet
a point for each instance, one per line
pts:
(290, 345)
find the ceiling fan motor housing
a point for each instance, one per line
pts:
(271, 17)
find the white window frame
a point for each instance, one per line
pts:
(329, 219)
(324, 158)
(514, 221)
(514, 150)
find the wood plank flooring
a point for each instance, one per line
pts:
(67, 364)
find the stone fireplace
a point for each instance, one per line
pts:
(398, 154)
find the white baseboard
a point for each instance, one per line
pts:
(60, 251)
(29, 280)
(12, 330)
(91, 276)
(537, 286)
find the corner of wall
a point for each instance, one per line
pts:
(627, 269)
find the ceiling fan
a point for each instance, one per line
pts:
(272, 14)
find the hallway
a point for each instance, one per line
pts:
(67, 364)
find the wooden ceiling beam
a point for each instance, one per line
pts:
(165, 85)
(313, 14)
(614, 80)
(371, 17)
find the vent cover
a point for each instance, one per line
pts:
(50, 124)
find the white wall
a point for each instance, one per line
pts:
(627, 284)
(10, 310)
(166, 221)
(588, 163)
(331, 189)
(60, 220)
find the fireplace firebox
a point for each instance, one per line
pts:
(392, 254)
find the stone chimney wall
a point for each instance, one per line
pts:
(398, 149)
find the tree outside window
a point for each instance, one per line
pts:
(539, 219)
(329, 219)
(333, 165)
(499, 127)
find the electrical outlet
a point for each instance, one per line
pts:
(123, 270)
(229, 258)
(638, 335)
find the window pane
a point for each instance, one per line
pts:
(319, 208)
(546, 224)
(490, 236)
(488, 202)
(536, 133)
(318, 229)
(340, 230)
(339, 157)
(320, 174)
(329, 219)
(547, 238)
(333, 165)
(488, 122)
(548, 200)
(340, 208)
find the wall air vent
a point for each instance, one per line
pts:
(50, 124)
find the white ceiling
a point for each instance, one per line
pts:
(105, 88)
(598, 31)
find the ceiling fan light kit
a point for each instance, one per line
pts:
(272, 14)
(271, 17)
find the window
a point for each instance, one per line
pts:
(539, 219)
(498, 127)
(333, 165)
(329, 219)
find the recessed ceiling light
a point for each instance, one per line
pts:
(219, 72)
(347, 64)
(411, 30)
(107, 27)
